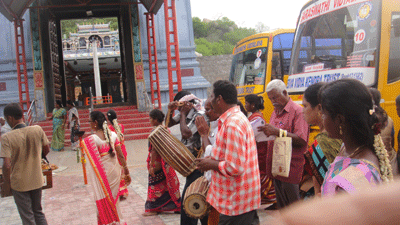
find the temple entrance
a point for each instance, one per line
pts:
(79, 38)
(65, 50)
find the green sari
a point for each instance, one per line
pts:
(57, 141)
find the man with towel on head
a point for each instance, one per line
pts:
(190, 108)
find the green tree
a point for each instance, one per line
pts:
(238, 34)
(218, 37)
(199, 28)
(203, 46)
(68, 26)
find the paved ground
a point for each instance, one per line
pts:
(70, 201)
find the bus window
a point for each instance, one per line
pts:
(304, 53)
(337, 40)
(248, 69)
(276, 71)
(286, 61)
(394, 55)
(282, 48)
(283, 41)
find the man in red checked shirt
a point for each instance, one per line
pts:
(235, 182)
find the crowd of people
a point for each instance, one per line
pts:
(235, 149)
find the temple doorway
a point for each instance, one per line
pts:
(78, 39)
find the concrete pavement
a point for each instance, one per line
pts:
(71, 202)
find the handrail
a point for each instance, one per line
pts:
(28, 117)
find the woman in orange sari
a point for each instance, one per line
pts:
(253, 105)
(103, 151)
(119, 129)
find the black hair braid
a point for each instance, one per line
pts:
(111, 150)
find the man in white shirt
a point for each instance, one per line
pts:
(208, 132)
(208, 139)
(4, 126)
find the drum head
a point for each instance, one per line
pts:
(195, 206)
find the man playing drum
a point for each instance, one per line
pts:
(189, 107)
(235, 181)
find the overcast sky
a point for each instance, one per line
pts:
(247, 13)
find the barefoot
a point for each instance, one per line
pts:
(149, 214)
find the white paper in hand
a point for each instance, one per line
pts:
(259, 135)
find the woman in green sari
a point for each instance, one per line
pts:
(59, 118)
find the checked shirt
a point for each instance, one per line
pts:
(235, 189)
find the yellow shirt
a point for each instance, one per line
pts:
(24, 147)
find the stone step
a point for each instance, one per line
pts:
(136, 124)
(128, 137)
(132, 120)
(135, 130)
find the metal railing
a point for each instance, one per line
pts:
(99, 100)
(30, 116)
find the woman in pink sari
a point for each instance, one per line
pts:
(349, 114)
(103, 151)
(163, 193)
(119, 129)
(253, 105)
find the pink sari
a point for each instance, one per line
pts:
(104, 175)
(123, 189)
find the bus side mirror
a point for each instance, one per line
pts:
(396, 27)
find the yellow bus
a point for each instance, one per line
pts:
(257, 60)
(357, 39)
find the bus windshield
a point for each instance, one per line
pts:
(248, 67)
(334, 40)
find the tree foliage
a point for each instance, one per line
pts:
(218, 37)
(70, 26)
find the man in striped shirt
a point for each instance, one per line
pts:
(235, 183)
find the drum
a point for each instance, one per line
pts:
(172, 151)
(194, 203)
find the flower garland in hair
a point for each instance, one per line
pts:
(384, 163)
(117, 128)
(107, 133)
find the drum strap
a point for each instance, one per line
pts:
(168, 117)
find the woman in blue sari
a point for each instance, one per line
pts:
(59, 118)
